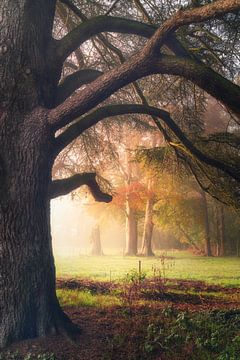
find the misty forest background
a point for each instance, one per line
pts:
(163, 197)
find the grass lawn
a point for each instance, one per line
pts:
(180, 265)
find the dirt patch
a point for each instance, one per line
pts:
(104, 287)
(97, 287)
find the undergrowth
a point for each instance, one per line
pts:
(181, 335)
(17, 356)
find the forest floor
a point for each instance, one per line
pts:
(142, 319)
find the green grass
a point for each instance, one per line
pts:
(223, 271)
(76, 298)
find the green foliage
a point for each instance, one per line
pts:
(173, 334)
(134, 276)
(130, 290)
(10, 356)
(203, 332)
(16, 356)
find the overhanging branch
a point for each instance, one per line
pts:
(137, 67)
(215, 9)
(147, 62)
(65, 186)
(115, 110)
(95, 26)
(99, 24)
(203, 76)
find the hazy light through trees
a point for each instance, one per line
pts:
(72, 226)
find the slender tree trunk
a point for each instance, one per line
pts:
(208, 250)
(238, 245)
(131, 230)
(217, 228)
(148, 226)
(222, 230)
(96, 246)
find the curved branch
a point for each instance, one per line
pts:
(113, 110)
(215, 9)
(137, 67)
(73, 82)
(203, 76)
(97, 25)
(65, 186)
(145, 63)
(99, 90)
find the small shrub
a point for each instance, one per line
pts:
(132, 285)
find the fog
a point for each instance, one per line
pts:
(72, 226)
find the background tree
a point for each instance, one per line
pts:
(96, 246)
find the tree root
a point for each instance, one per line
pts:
(64, 325)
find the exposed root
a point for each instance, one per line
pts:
(64, 325)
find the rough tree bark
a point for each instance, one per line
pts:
(28, 303)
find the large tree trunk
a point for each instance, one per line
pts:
(28, 302)
(131, 230)
(148, 225)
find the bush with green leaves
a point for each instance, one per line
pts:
(209, 335)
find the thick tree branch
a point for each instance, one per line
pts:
(113, 110)
(145, 63)
(137, 67)
(74, 82)
(65, 186)
(174, 44)
(70, 25)
(203, 76)
(95, 26)
(100, 24)
(99, 90)
(216, 9)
